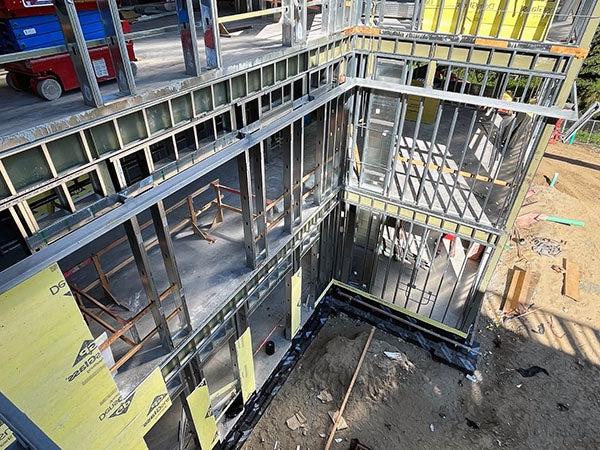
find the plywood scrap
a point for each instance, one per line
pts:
(517, 291)
(325, 396)
(342, 424)
(571, 279)
(296, 421)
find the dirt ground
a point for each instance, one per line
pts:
(418, 403)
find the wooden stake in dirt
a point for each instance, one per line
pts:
(338, 418)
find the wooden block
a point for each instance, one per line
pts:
(517, 292)
(577, 52)
(491, 42)
(571, 282)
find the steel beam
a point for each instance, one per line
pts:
(348, 239)
(292, 174)
(240, 324)
(319, 153)
(212, 45)
(257, 161)
(287, 151)
(294, 26)
(189, 37)
(469, 99)
(297, 170)
(161, 226)
(287, 289)
(247, 206)
(80, 57)
(117, 46)
(142, 262)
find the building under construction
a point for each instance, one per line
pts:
(185, 194)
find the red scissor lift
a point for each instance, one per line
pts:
(50, 76)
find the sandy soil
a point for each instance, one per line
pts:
(428, 405)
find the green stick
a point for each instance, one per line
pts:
(573, 222)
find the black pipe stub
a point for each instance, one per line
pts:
(270, 348)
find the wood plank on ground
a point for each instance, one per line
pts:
(571, 282)
(517, 292)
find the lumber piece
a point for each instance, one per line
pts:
(571, 279)
(517, 291)
(340, 413)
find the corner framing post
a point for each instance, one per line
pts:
(210, 25)
(297, 170)
(140, 256)
(293, 143)
(319, 150)
(348, 237)
(327, 16)
(294, 16)
(240, 323)
(296, 265)
(77, 48)
(392, 152)
(287, 279)
(314, 273)
(117, 46)
(257, 158)
(161, 225)
(243, 163)
(189, 38)
(287, 150)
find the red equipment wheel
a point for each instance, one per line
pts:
(49, 89)
(134, 68)
(17, 81)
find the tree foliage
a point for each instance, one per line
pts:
(588, 82)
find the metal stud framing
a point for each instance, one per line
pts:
(140, 256)
(398, 234)
(76, 46)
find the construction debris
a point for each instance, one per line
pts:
(531, 371)
(528, 219)
(356, 445)
(401, 358)
(325, 396)
(342, 424)
(571, 280)
(296, 421)
(546, 247)
(472, 424)
(540, 329)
